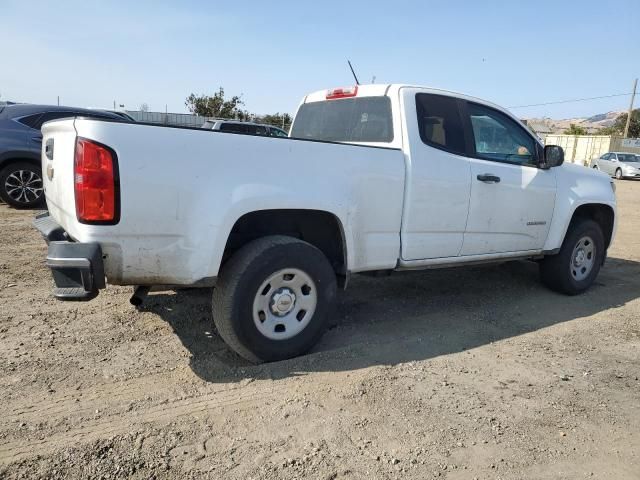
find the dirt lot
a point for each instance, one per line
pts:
(467, 373)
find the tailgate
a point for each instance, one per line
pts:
(58, 149)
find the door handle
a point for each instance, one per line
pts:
(488, 178)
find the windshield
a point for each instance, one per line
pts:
(627, 157)
(366, 119)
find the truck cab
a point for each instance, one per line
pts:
(478, 183)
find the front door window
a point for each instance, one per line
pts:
(498, 138)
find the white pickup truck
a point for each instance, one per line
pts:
(374, 178)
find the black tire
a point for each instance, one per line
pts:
(19, 197)
(618, 174)
(237, 288)
(556, 271)
(595, 167)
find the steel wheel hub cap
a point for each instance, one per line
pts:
(583, 258)
(282, 301)
(284, 304)
(23, 186)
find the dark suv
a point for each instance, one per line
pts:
(20, 145)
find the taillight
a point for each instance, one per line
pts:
(343, 92)
(96, 183)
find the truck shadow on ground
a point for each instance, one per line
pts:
(405, 317)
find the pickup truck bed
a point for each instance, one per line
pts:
(176, 210)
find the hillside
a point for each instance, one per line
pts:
(591, 124)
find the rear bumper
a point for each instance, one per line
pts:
(77, 268)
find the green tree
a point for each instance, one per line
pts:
(575, 130)
(216, 105)
(618, 126)
(276, 119)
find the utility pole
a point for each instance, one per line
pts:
(58, 100)
(633, 96)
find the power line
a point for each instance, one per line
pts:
(572, 100)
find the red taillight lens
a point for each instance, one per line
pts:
(343, 92)
(95, 180)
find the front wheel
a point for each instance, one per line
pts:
(618, 174)
(273, 298)
(578, 262)
(21, 185)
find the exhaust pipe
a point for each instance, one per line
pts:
(139, 294)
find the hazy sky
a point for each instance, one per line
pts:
(91, 53)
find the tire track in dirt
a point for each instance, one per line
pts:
(164, 410)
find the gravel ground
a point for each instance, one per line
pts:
(457, 374)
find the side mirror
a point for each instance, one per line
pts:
(553, 156)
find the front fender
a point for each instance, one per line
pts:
(577, 186)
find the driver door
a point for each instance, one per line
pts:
(614, 164)
(604, 163)
(512, 200)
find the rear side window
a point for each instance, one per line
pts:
(233, 128)
(440, 122)
(31, 120)
(257, 130)
(276, 132)
(364, 119)
(626, 157)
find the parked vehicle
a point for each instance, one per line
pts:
(619, 164)
(247, 128)
(124, 115)
(375, 178)
(21, 149)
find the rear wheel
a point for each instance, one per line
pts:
(618, 174)
(578, 262)
(21, 185)
(273, 298)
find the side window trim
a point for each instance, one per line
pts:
(33, 120)
(470, 137)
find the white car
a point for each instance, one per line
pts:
(619, 164)
(375, 178)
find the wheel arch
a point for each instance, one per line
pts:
(10, 157)
(320, 228)
(601, 213)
